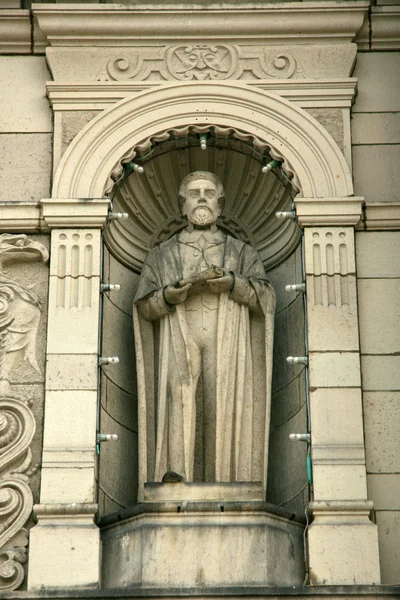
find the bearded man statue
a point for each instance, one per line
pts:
(203, 317)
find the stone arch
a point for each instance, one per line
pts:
(309, 151)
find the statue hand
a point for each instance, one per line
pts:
(221, 284)
(174, 295)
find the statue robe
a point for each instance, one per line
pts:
(244, 341)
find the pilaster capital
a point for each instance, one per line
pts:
(74, 212)
(320, 212)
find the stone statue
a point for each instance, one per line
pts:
(204, 313)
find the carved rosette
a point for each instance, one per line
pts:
(19, 319)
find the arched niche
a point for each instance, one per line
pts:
(93, 163)
(317, 164)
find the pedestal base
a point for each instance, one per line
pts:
(202, 544)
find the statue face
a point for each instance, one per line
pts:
(201, 204)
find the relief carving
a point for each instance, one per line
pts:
(20, 313)
(331, 269)
(200, 62)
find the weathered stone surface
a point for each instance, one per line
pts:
(336, 417)
(204, 549)
(115, 272)
(25, 166)
(68, 481)
(118, 471)
(71, 564)
(71, 124)
(203, 492)
(68, 415)
(334, 369)
(282, 276)
(389, 545)
(118, 341)
(375, 128)
(371, 167)
(23, 103)
(121, 406)
(379, 297)
(374, 254)
(287, 481)
(378, 88)
(382, 424)
(71, 372)
(332, 120)
(339, 482)
(343, 529)
(383, 490)
(334, 326)
(380, 372)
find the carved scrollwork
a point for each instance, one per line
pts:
(201, 62)
(121, 69)
(279, 65)
(12, 572)
(19, 320)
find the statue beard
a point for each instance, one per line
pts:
(202, 216)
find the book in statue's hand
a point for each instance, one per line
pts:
(199, 281)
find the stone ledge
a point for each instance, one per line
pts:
(381, 30)
(382, 216)
(116, 25)
(197, 507)
(361, 592)
(49, 213)
(306, 93)
(15, 31)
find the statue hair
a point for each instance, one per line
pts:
(205, 176)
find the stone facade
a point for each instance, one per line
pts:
(88, 88)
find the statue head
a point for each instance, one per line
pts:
(201, 196)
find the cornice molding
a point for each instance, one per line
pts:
(15, 31)
(21, 217)
(33, 217)
(306, 93)
(283, 23)
(381, 30)
(320, 212)
(382, 216)
(81, 212)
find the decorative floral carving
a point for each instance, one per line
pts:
(19, 319)
(201, 62)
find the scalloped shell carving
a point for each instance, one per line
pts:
(251, 197)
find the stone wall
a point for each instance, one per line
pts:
(376, 156)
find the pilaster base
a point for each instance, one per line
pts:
(343, 544)
(64, 547)
(207, 544)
